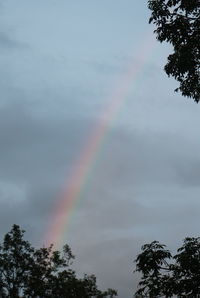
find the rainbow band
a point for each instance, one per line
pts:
(78, 179)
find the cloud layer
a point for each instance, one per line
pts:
(57, 69)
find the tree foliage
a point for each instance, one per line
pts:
(29, 272)
(166, 275)
(178, 22)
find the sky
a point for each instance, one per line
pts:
(60, 64)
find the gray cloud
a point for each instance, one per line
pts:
(128, 199)
(144, 185)
(7, 42)
(132, 198)
(135, 193)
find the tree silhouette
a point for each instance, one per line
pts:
(178, 22)
(29, 272)
(164, 275)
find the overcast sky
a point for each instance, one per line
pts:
(59, 62)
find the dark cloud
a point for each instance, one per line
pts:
(134, 194)
(29, 142)
(188, 171)
(6, 42)
(144, 184)
(129, 198)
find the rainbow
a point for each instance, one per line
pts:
(79, 177)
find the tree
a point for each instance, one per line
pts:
(178, 22)
(29, 272)
(164, 275)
